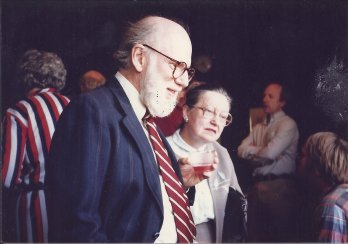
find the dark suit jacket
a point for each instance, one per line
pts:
(103, 180)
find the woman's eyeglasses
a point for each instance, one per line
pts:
(222, 116)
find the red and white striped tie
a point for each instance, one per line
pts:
(185, 226)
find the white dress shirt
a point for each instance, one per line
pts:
(276, 141)
(168, 231)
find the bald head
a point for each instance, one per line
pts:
(169, 37)
(162, 33)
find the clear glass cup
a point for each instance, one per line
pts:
(201, 160)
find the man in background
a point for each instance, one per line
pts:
(271, 148)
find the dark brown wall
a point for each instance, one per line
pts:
(251, 43)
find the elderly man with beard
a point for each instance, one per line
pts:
(107, 181)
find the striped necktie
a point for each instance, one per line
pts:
(185, 227)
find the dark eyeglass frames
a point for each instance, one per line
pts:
(223, 116)
(179, 67)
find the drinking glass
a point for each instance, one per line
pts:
(201, 160)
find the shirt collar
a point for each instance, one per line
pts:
(277, 115)
(133, 96)
(180, 142)
(274, 116)
(41, 90)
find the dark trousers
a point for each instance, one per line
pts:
(273, 212)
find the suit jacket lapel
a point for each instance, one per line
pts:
(135, 129)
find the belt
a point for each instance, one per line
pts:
(270, 177)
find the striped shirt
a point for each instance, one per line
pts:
(27, 131)
(332, 216)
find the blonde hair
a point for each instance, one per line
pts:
(328, 153)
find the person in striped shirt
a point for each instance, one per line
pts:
(324, 165)
(28, 127)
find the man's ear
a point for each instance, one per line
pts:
(138, 57)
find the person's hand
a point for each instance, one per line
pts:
(192, 177)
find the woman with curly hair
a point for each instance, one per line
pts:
(27, 131)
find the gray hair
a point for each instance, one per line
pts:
(40, 69)
(328, 153)
(136, 32)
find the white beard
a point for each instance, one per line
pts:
(155, 100)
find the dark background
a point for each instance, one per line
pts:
(251, 43)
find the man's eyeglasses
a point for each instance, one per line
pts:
(179, 67)
(223, 116)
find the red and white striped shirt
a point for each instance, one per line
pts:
(27, 131)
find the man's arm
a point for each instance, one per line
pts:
(259, 155)
(248, 148)
(284, 136)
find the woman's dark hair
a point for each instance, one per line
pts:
(192, 95)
